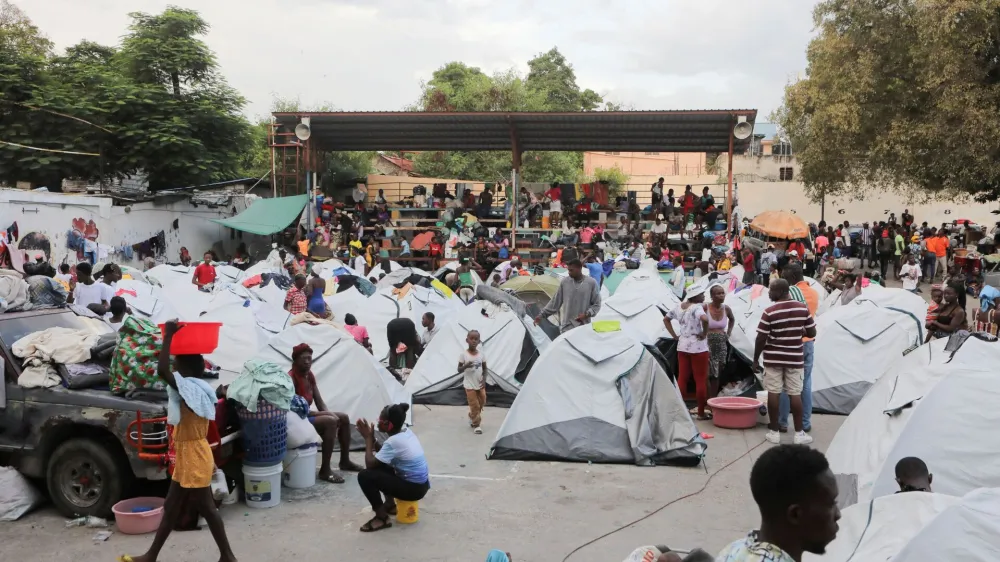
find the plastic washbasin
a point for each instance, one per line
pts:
(195, 338)
(734, 412)
(133, 522)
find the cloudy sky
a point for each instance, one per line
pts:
(372, 54)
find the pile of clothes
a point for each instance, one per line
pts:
(41, 351)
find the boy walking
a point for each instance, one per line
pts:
(472, 365)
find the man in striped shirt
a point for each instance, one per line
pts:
(779, 340)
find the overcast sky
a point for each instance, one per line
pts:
(371, 55)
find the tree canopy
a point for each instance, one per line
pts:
(899, 94)
(156, 105)
(549, 86)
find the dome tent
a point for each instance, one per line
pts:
(918, 527)
(640, 303)
(508, 343)
(916, 409)
(855, 344)
(599, 397)
(348, 377)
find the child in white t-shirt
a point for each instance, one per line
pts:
(472, 366)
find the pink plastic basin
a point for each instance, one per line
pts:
(138, 523)
(734, 412)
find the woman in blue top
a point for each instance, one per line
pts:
(396, 469)
(316, 304)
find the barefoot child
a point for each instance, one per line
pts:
(472, 365)
(191, 405)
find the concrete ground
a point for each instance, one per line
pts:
(538, 511)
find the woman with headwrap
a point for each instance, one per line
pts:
(330, 425)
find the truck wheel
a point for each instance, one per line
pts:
(85, 478)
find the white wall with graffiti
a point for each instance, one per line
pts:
(57, 224)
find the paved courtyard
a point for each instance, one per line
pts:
(539, 511)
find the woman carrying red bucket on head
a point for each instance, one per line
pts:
(190, 407)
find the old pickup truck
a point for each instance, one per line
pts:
(81, 443)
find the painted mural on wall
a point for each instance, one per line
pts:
(34, 242)
(82, 238)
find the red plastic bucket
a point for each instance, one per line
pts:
(194, 338)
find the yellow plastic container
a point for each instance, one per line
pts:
(546, 222)
(407, 512)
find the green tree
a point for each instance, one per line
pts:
(165, 49)
(550, 73)
(458, 87)
(615, 177)
(900, 94)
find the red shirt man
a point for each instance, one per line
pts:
(204, 274)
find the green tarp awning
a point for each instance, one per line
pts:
(267, 216)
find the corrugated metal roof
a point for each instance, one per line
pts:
(632, 131)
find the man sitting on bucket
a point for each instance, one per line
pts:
(329, 425)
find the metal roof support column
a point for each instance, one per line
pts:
(515, 180)
(729, 184)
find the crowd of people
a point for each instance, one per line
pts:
(792, 484)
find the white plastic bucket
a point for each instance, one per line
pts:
(262, 485)
(762, 411)
(300, 467)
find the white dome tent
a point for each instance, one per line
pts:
(239, 338)
(916, 409)
(348, 377)
(373, 312)
(855, 344)
(748, 305)
(147, 302)
(640, 305)
(400, 275)
(968, 531)
(882, 296)
(918, 527)
(599, 397)
(511, 346)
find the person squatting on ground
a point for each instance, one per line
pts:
(779, 340)
(472, 365)
(796, 494)
(692, 346)
(397, 469)
(191, 405)
(330, 425)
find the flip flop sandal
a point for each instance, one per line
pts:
(370, 528)
(332, 479)
(124, 558)
(706, 417)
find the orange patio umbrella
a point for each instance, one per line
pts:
(780, 224)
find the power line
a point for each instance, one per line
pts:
(49, 149)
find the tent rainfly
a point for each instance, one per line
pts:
(918, 527)
(855, 344)
(510, 345)
(599, 397)
(348, 377)
(935, 404)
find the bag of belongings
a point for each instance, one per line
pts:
(134, 362)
